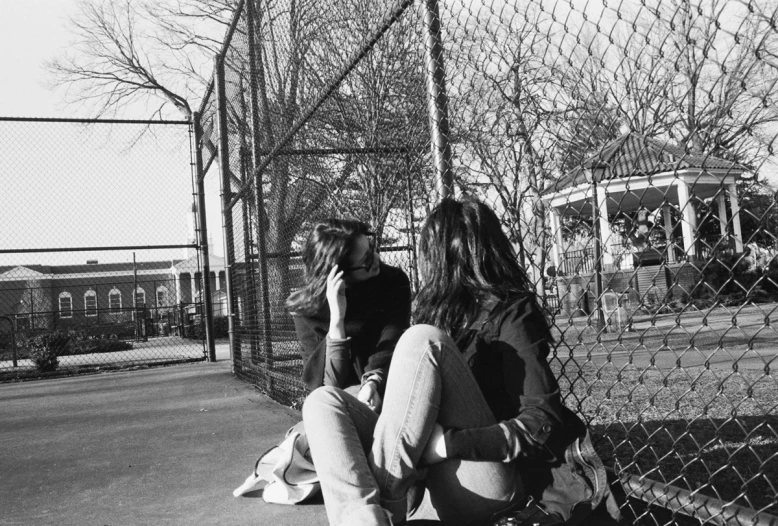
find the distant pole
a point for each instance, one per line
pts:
(135, 297)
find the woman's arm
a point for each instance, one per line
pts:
(396, 320)
(531, 388)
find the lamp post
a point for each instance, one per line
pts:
(594, 173)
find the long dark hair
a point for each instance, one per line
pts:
(465, 262)
(326, 246)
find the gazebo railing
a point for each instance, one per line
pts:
(577, 262)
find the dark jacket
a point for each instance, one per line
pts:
(507, 348)
(377, 313)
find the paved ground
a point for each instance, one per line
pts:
(159, 446)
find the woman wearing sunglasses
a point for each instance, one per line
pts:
(350, 311)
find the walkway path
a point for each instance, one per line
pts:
(161, 446)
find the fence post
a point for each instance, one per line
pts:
(226, 195)
(256, 158)
(14, 357)
(204, 249)
(437, 102)
(411, 227)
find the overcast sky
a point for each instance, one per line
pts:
(66, 185)
(30, 32)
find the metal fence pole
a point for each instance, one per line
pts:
(204, 249)
(226, 195)
(600, 317)
(256, 158)
(437, 102)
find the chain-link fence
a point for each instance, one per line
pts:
(99, 265)
(627, 147)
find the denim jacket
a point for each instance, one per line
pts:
(507, 349)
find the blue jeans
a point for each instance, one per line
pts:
(368, 463)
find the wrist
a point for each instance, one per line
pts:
(337, 330)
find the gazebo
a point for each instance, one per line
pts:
(634, 174)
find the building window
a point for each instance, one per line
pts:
(161, 296)
(90, 303)
(140, 297)
(115, 301)
(65, 305)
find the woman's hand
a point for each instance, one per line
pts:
(436, 447)
(369, 396)
(336, 298)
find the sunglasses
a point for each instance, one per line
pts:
(367, 261)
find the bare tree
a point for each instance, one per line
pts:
(513, 108)
(301, 47)
(128, 54)
(160, 57)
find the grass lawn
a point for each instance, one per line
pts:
(687, 400)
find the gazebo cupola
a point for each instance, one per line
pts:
(634, 173)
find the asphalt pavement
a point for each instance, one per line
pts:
(166, 445)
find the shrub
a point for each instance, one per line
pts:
(731, 280)
(220, 327)
(97, 346)
(46, 348)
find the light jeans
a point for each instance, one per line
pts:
(368, 463)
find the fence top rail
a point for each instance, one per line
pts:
(93, 121)
(93, 249)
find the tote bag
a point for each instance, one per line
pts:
(287, 468)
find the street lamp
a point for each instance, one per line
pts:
(595, 172)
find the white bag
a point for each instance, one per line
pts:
(288, 470)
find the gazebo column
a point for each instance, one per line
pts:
(688, 219)
(177, 278)
(736, 232)
(556, 246)
(605, 229)
(722, 202)
(668, 219)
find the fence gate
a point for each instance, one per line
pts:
(99, 243)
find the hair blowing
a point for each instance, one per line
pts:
(326, 246)
(465, 261)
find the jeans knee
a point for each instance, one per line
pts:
(320, 400)
(419, 338)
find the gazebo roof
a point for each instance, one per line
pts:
(634, 155)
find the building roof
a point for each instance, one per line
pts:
(193, 264)
(26, 272)
(634, 155)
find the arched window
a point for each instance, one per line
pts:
(65, 305)
(162, 296)
(140, 297)
(115, 300)
(90, 303)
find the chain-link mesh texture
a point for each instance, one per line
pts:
(628, 149)
(85, 207)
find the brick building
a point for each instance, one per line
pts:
(68, 296)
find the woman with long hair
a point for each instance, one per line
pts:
(473, 426)
(350, 311)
